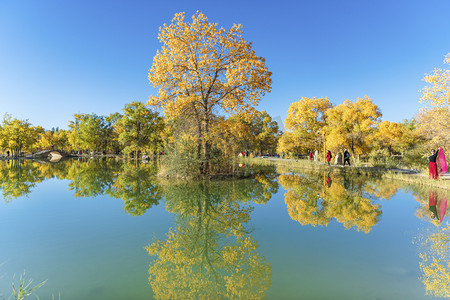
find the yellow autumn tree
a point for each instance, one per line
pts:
(306, 119)
(202, 69)
(350, 124)
(18, 135)
(434, 126)
(437, 92)
(395, 137)
(289, 145)
(433, 117)
(256, 131)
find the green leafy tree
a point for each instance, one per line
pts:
(90, 131)
(139, 129)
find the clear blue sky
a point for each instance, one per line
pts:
(61, 57)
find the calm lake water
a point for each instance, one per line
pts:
(98, 229)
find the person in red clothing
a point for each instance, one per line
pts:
(328, 157)
(310, 155)
(432, 168)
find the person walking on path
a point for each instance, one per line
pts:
(432, 168)
(310, 155)
(346, 157)
(328, 157)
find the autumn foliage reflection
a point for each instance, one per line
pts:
(135, 184)
(316, 199)
(211, 253)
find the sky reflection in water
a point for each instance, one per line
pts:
(88, 227)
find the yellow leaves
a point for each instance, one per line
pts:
(435, 264)
(18, 135)
(210, 255)
(437, 92)
(310, 201)
(434, 126)
(304, 120)
(202, 69)
(349, 124)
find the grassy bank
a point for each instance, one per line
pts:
(410, 176)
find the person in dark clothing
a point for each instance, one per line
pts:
(432, 168)
(7, 153)
(346, 157)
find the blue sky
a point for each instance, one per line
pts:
(59, 57)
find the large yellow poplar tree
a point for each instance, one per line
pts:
(305, 120)
(351, 124)
(201, 70)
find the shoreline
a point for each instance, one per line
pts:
(406, 175)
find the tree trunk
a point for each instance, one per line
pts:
(206, 147)
(206, 150)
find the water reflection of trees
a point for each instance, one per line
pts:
(137, 187)
(17, 178)
(435, 261)
(315, 199)
(211, 253)
(434, 239)
(135, 184)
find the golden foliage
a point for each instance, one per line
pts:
(437, 92)
(202, 69)
(312, 200)
(435, 264)
(18, 135)
(306, 118)
(396, 137)
(349, 125)
(434, 126)
(210, 255)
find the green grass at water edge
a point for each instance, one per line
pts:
(417, 179)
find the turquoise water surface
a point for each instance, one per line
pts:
(108, 230)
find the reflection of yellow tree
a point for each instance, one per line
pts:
(381, 188)
(17, 178)
(311, 202)
(136, 186)
(303, 200)
(435, 264)
(210, 255)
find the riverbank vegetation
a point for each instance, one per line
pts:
(209, 82)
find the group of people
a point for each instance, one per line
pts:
(329, 156)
